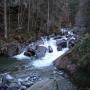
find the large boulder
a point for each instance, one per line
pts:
(31, 46)
(30, 52)
(35, 50)
(40, 51)
(10, 50)
(46, 84)
(52, 84)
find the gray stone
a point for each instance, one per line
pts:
(8, 80)
(10, 49)
(59, 48)
(40, 51)
(62, 43)
(46, 84)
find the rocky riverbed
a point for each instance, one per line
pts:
(30, 79)
(36, 66)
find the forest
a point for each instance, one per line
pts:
(44, 44)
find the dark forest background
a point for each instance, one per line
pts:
(42, 17)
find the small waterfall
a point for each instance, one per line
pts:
(48, 59)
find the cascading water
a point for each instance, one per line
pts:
(48, 59)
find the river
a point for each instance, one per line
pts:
(29, 69)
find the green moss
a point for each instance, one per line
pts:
(81, 49)
(85, 60)
(80, 55)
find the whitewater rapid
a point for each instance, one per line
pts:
(48, 59)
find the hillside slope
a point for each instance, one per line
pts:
(77, 63)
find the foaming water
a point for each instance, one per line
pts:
(48, 59)
(21, 56)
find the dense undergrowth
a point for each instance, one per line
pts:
(80, 56)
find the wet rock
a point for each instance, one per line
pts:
(27, 83)
(61, 43)
(10, 50)
(32, 46)
(29, 52)
(25, 79)
(23, 88)
(59, 48)
(71, 43)
(33, 78)
(50, 49)
(68, 36)
(48, 38)
(7, 79)
(57, 37)
(13, 50)
(40, 51)
(39, 42)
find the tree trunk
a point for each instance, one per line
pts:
(29, 15)
(48, 19)
(20, 15)
(5, 18)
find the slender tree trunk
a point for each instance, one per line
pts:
(29, 15)
(5, 18)
(20, 15)
(36, 21)
(9, 20)
(48, 18)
